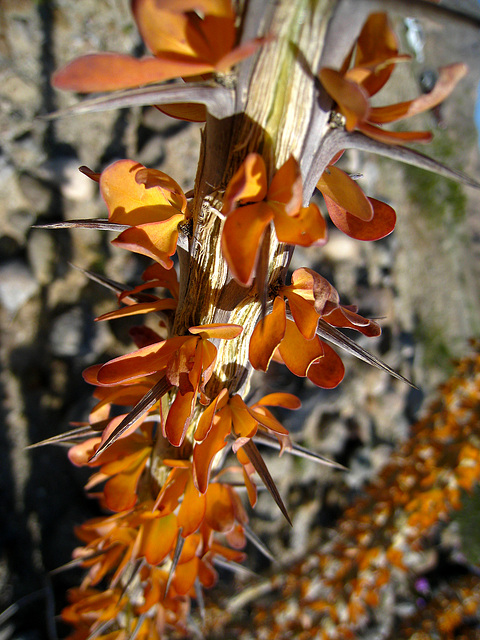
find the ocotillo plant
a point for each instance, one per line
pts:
(283, 88)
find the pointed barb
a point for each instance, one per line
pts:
(67, 438)
(218, 100)
(298, 451)
(261, 546)
(357, 140)
(256, 459)
(145, 404)
(336, 337)
(87, 223)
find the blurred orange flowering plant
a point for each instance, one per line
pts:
(272, 134)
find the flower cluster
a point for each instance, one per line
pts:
(175, 511)
(380, 539)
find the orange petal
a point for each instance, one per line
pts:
(80, 454)
(298, 353)
(328, 372)
(376, 42)
(158, 537)
(185, 576)
(304, 314)
(179, 417)
(286, 187)
(139, 309)
(312, 286)
(184, 35)
(205, 451)
(305, 229)
(219, 515)
(243, 424)
(185, 111)
(192, 509)
(267, 335)
(447, 80)
(338, 186)
(133, 201)
(241, 238)
(342, 317)
(394, 137)
(166, 277)
(141, 362)
(249, 184)
(223, 331)
(280, 399)
(171, 492)
(264, 417)
(382, 223)
(163, 185)
(157, 240)
(113, 71)
(120, 491)
(351, 99)
(205, 422)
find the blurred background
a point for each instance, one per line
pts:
(422, 282)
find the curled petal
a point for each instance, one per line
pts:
(338, 186)
(139, 309)
(327, 372)
(156, 240)
(297, 353)
(343, 317)
(304, 314)
(136, 195)
(394, 137)
(312, 286)
(448, 78)
(381, 225)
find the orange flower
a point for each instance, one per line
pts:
(310, 297)
(183, 45)
(149, 203)
(229, 416)
(250, 205)
(351, 210)
(185, 362)
(121, 465)
(375, 58)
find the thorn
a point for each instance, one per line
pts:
(176, 558)
(262, 470)
(145, 404)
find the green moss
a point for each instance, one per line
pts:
(468, 520)
(438, 352)
(441, 201)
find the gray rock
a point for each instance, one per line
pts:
(17, 285)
